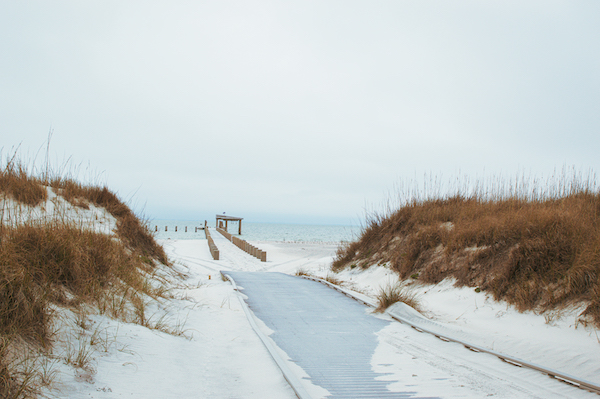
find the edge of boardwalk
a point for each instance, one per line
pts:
(288, 374)
(567, 378)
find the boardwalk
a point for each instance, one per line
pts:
(330, 336)
(339, 349)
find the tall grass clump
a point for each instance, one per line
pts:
(55, 262)
(392, 293)
(15, 183)
(532, 242)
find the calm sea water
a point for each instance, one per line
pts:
(257, 231)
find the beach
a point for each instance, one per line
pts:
(213, 352)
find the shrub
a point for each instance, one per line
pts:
(17, 184)
(130, 228)
(390, 294)
(536, 251)
(302, 272)
(52, 262)
(40, 263)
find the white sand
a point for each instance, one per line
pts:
(57, 209)
(221, 357)
(555, 340)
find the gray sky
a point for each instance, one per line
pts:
(298, 111)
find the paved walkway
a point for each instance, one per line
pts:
(329, 335)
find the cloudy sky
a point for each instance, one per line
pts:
(300, 110)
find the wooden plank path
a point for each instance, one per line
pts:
(244, 245)
(327, 334)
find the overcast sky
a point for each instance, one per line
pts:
(298, 111)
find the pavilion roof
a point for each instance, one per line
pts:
(227, 217)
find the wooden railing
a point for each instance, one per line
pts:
(214, 251)
(244, 246)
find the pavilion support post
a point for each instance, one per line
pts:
(240, 228)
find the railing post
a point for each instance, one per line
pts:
(243, 245)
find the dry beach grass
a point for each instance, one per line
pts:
(50, 263)
(392, 293)
(533, 244)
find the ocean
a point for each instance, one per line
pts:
(166, 229)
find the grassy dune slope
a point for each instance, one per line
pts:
(537, 252)
(47, 263)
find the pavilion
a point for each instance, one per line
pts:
(227, 219)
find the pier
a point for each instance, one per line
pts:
(244, 246)
(222, 223)
(196, 228)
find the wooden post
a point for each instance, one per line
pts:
(165, 228)
(240, 228)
